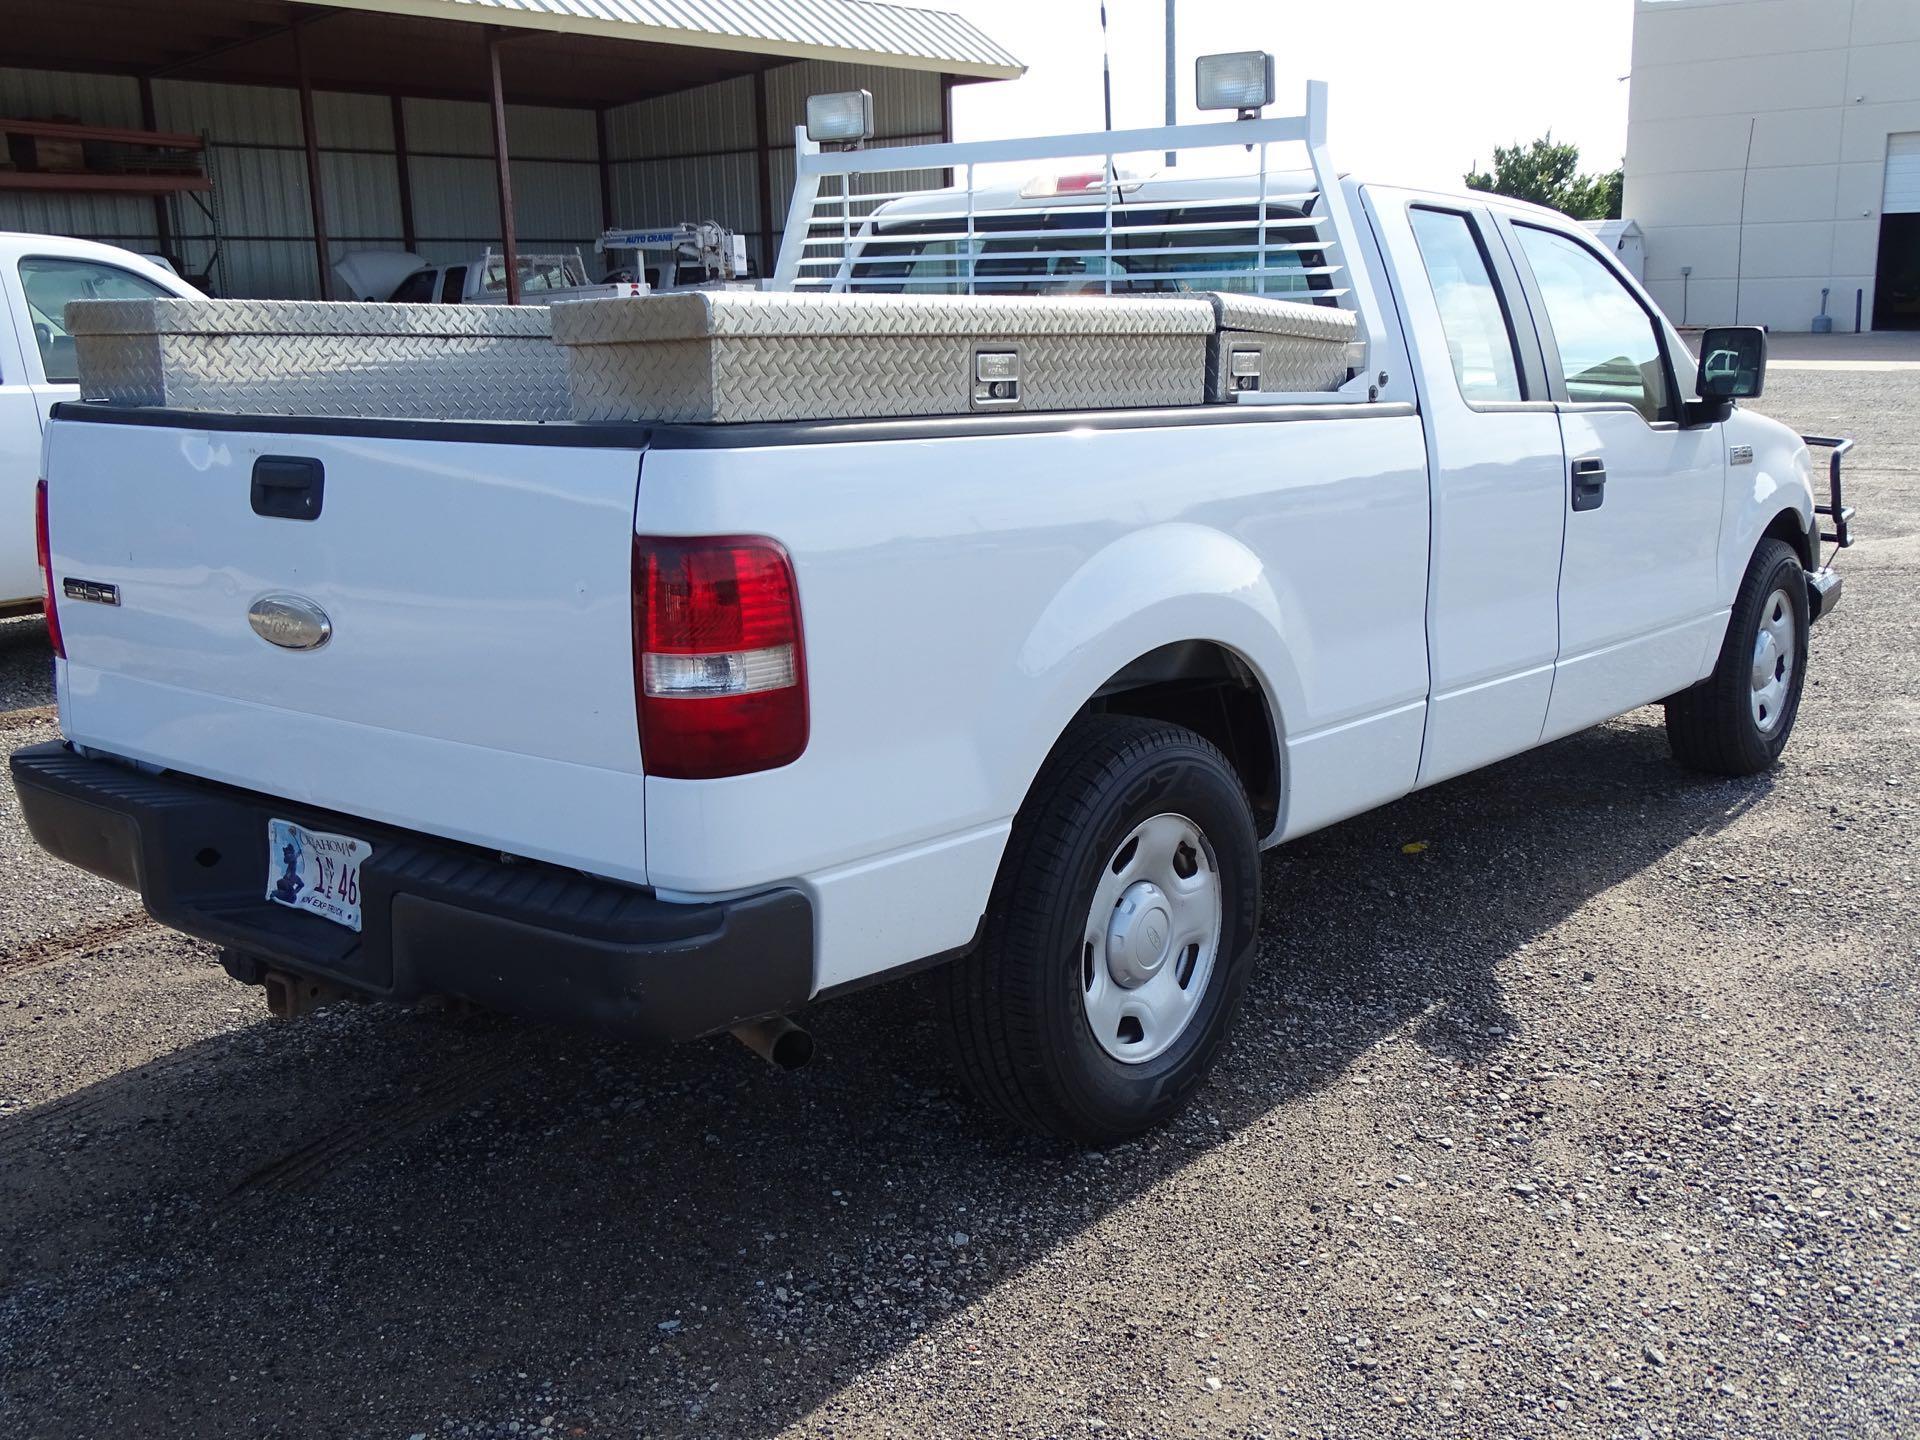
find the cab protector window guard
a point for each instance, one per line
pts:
(837, 193)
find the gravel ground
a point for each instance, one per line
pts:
(1596, 1116)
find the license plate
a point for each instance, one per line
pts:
(311, 870)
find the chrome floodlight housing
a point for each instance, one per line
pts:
(842, 118)
(1239, 80)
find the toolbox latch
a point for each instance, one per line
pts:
(996, 379)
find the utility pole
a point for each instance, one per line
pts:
(1106, 66)
(1106, 86)
(1172, 97)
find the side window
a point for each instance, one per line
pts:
(1609, 348)
(416, 289)
(51, 281)
(1478, 338)
(454, 285)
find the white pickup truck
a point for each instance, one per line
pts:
(39, 274)
(676, 727)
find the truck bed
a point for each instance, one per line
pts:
(966, 583)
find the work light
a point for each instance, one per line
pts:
(843, 118)
(1241, 80)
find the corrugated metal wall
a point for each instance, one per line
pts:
(105, 100)
(690, 156)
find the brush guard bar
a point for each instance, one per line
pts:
(1836, 509)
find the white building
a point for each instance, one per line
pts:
(1773, 150)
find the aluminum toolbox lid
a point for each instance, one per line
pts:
(760, 314)
(305, 317)
(1263, 314)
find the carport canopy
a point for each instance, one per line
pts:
(581, 53)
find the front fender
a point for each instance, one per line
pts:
(1779, 479)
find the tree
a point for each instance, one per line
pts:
(1549, 174)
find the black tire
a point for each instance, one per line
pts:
(1013, 1009)
(1712, 727)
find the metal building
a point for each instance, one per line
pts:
(254, 141)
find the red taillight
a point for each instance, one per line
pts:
(719, 673)
(43, 549)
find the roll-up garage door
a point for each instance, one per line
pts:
(1896, 280)
(1903, 175)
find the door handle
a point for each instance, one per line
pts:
(1589, 483)
(288, 487)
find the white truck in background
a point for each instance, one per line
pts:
(677, 727)
(404, 278)
(688, 256)
(39, 274)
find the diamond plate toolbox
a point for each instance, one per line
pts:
(733, 356)
(310, 357)
(1277, 346)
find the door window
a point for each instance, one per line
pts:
(416, 289)
(1609, 349)
(50, 282)
(1479, 341)
(453, 287)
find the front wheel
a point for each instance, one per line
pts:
(1119, 937)
(1737, 720)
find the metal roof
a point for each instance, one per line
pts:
(852, 30)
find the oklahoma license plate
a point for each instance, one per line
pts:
(311, 870)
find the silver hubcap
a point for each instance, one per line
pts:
(1773, 661)
(1152, 933)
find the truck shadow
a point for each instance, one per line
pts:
(26, 664)
(442, 1221)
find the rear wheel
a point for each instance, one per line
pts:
(1737, 720)
(1119, 937)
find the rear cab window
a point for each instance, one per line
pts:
(1156, 250)
(1479, 334)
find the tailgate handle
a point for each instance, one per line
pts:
(288, 487)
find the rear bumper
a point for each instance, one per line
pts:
(438, 919)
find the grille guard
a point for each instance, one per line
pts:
(1836, 508)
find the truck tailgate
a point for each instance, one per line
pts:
(477, 680)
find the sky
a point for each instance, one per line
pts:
(1419, 90)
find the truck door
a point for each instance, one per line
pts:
(19, 462)
(1494, 468)
(1640, 612)
(37, 292)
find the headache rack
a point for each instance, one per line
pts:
(1286, 231)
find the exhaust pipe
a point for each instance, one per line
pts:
(777, 1040)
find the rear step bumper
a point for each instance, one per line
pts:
(439, 919)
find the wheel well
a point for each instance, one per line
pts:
(1805, 542)
(1213, 692)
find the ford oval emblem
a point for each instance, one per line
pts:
(290, 622)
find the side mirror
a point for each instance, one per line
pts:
(1733, 363)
